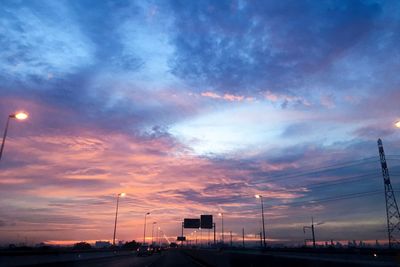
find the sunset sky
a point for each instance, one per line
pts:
(193, 107)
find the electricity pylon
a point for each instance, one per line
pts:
(392, 210)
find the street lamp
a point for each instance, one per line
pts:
(159, 236)
(152, 232)
(262, 213)
(116, 215)
(144, 231)
(222, 229)
(19, 116)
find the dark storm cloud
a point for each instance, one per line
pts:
(248, 45)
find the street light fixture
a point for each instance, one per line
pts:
(116, 215)
(222, 229)
(144, 230)
(19, 116)
(262, 213)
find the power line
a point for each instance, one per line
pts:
(344, 163)
(333, 198)
(350, 179)
(318, 171)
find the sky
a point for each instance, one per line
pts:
(193, 107)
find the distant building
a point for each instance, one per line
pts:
(102, 244)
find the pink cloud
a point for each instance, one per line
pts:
(276, 97)
(210, 94)
(227, 97)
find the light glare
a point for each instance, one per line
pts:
(397, 124)
(257, 196)
(21, 116)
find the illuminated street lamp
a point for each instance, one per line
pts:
(222, 229)
(116, 215)
(144, 230)
(397, 124)
(19, 116)
(262, 213)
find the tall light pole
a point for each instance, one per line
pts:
(144, 230)
(116, 215)
(19, 116)
(159, 236)
(262, 214)
(222, 228)
(152, 232)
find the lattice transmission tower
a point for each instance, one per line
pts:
(392, 210)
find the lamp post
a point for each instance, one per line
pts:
(159, 236)
(144, 230)
(116, 215)
(152, 232)
(19, 116)
(262, 213)
(222, 228)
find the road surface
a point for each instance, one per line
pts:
(171, 258)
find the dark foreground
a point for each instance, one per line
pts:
(226, 258)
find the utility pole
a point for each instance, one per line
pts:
(215, 242)
(208, 239)
(243, 237)
(182, 235)
(312, 232)
(201, 237)
(392, 210)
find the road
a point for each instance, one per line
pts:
(221, 258)
(171, 258)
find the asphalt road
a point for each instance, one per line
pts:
(171, 258)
